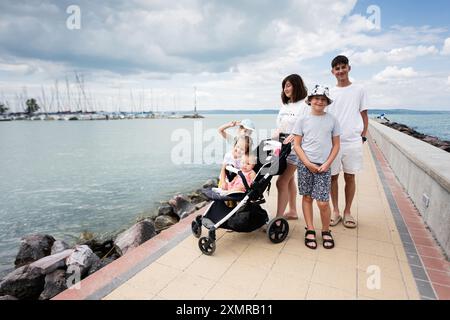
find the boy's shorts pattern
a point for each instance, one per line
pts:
(315, 185)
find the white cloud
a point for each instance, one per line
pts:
(395, 73)
(446, 48)
(392, 56)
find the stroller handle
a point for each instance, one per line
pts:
(232, 169)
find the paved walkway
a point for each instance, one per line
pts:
(374, 261)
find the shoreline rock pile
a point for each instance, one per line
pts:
(441, 144)
(44, 266)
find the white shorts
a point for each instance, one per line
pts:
(349, 160)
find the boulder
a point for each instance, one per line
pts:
(163, 222)
(181, 205)
(59, 246)
(165, 209)
(81, 259)
(211, 183)
(33, 248)
(197, 197)
(55, 283)
(201, 205)
(26, 282)
(135, 236)
(51, 263)
(4, 298)
(100, 264)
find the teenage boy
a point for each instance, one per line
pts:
(350, 109)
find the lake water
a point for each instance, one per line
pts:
(66, 177)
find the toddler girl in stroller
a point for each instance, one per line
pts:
(247, 215)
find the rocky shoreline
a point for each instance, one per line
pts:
(435, 141)
(45, 266)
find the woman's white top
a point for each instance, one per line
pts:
(289, 113)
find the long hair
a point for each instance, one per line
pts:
(299, 92)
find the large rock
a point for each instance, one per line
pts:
(81, 259)
(33, 248)
(163, 222)
(100, 264)
(135, 236)
(55, 283)
(211, 183)
(197, 197)
(165, 209)
(51, 263)
(26, 282)
(181, 206)
(4, 298)
(59, 246)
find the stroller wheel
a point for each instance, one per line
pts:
(207, 246)
(196, 229)
(277, 230)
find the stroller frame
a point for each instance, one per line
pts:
(277, 228)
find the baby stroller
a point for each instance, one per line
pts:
(247, 215)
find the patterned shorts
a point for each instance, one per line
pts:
(315, 185)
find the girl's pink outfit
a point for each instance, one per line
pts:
(237, 182)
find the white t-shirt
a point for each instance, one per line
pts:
(348, 103)
(289, 113)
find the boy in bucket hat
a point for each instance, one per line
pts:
(316, 144)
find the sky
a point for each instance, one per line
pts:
(151, 54)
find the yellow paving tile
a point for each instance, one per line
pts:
(322, 292)
(258, 257)
(279, 287)
(154, 278)
(384, 287)
(345, 241)
(179, 257)
(293, 266)
(336, 276)
(245, 277)
(375, 247)
(128, 292)
(185, 287)
(297, 247)
(388, 266)
(221, 291)
(211, 267)
(337, 256)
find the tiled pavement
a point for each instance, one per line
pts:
(390, 255)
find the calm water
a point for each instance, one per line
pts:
(435, 124)
(66, 177)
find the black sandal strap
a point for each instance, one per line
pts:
(307, 240)
(329, 241)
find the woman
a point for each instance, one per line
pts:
(293, 97)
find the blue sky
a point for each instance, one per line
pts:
(149, 54)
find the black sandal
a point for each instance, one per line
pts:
(330, 242)
(307, 241)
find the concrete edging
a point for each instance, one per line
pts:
(423, 171)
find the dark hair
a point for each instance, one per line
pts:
(339, 60)
(300, 91)
(248, 143)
